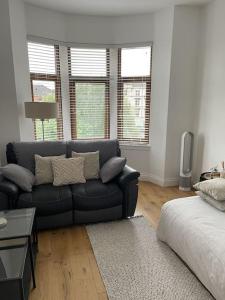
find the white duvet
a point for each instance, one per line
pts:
(196, 232)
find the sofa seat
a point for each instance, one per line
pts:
(94, 195)
(48, 199)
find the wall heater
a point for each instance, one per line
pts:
(186, 161)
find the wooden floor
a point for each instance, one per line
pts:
(66, 268)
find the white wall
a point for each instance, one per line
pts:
(96, 30)
(45, 23)
(133, 29)
(183, 87)
(88, 29)
(210, 120)
(162, 47)
(14, 75)
(21, 66)
(174, 32)
(9, 123)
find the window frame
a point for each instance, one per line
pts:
(120, 82)
(58, 96)
(72, 94)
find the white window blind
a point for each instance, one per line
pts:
(89, 93)
(133, 94)
(88, 62)
(46, 86)
(41, 58)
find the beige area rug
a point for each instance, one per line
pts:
(134, 265)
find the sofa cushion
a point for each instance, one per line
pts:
(91, 164)
(95, 195)
(43, 168)
(68, 171)
(21, 176)
(48, 199)
(106, 148)
(112, 168)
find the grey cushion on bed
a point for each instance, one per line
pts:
(112, 168)
(22, 177)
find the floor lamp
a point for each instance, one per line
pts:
(42, 111)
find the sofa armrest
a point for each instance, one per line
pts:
(128, 182)
(128, 174)
(10, 190)
(1, 176)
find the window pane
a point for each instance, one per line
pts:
(88, 62)
(44, 91)
(134, 98)
(41, 58)
(90, 110)
(135, 61)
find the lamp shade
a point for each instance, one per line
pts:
(41, 110)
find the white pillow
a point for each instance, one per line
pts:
(213, 187)
(43, 168)
(217, 204)
(68, 171)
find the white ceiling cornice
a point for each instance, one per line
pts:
(110, 7)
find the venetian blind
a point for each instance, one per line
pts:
(133, 94)
(89, 92)
(44, 67)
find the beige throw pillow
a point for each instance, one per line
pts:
(91, 163)
(215, 188)
(43, 168)
(217, 204)
(68, 171)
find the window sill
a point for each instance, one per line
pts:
(135, 147)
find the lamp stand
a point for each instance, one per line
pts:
(43, 129)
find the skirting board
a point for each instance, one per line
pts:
(158, 180)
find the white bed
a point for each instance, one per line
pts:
(196, 232)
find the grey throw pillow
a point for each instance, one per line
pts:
(112, 168)
(91, 163)
(22, 177)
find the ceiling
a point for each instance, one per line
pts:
(109, 7)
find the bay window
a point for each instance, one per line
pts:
(44, 67)
(89, 93)
(133, 94)
(93, 78)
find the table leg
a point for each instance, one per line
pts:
(31, 261)
(22, 290)
(36, 232)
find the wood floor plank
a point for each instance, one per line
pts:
(66, 268)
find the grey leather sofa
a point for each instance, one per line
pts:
(92, 201)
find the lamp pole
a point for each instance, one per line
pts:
(43, 129)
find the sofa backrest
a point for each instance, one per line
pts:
(23, 153)
(107, 148)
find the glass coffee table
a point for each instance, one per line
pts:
(15, 273)
(20, 229)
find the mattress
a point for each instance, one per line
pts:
(196, 232)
